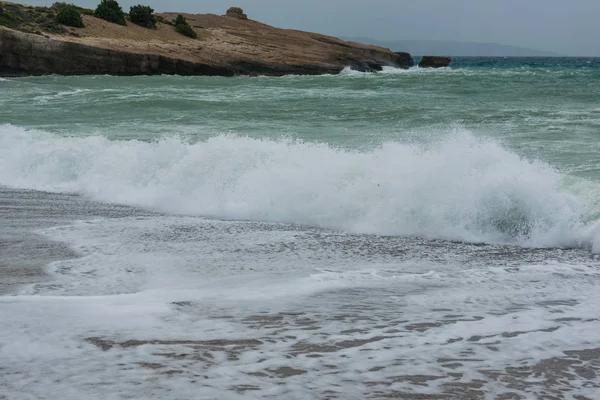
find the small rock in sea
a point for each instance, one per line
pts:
(434, 62)
(404, 60)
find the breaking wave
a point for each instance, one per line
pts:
(460, 188)
(385, 71)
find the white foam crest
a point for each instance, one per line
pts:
(461, 188)
(394, 71)
(63, 94)
(348, 71)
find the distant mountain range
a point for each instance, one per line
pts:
(452, 48)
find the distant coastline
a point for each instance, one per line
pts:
(455, 48)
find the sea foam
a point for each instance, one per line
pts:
(459, 188)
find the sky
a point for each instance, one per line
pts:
(566, 27)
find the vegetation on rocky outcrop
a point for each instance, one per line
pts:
(7, 18)
(29, 19)
(182, 26)
(111, 11)
(59, 15)
(68, 15)
(143, 16)
(58, 5)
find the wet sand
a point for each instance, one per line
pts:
(23, 253)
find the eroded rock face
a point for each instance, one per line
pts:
(28, 54)
(434, 62)
(236, 12)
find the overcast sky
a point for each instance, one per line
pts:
(569, 27)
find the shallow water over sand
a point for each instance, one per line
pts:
(152, 305)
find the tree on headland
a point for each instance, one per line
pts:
(182, 26)
(111, 11)
(180, 20)
(142, 16)
(68, 14)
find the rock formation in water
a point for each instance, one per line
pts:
(434, 62)
(226, 46)
(405, 59)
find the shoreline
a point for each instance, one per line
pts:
(26, 254)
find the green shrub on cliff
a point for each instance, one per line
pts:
(183, 27)
(7, 18)
(110, 11)
(180, 20)
(69, 15)
(55, 7)
(142, 16)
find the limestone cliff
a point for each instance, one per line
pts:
(225, 46)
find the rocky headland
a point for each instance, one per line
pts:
(32, 42)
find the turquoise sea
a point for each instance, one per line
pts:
(430, 234)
